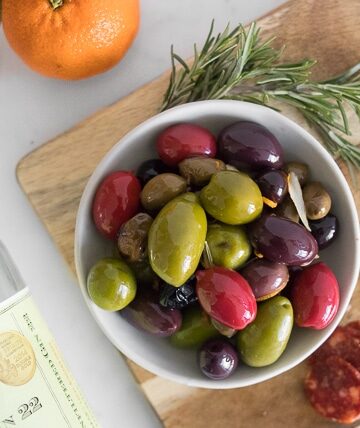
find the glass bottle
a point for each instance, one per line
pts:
(36, 388)
(10, 280)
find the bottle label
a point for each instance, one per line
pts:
(36, 388)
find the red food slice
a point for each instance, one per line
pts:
(353, 328)
(341, 343)
(354, 324)
(333, 389)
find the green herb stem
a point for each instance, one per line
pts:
(239, 65)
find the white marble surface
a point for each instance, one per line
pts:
(34, 109)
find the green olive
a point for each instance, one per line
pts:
(301, 170)
(111, 284)
(232, 198)
(198, 170)
(176, 239)
(132, 240)
(189, 197)
(263, 341)
(317, 201)
(229, 245)
(195, 329)
(287, 209)
(161, 189)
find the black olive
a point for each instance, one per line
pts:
(150, 169)
(178, 297)
(324, 230)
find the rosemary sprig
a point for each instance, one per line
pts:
(239, 65)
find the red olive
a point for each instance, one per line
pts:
(184, 140)
(226, 296)
(315, 296)
(117, 199)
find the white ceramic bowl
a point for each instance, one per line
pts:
(343, 256)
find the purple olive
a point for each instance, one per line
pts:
(265, 278)
(324, 230)
(273, 186)
(217, 359)
(283, 241)
(146, 314)
(249, 145)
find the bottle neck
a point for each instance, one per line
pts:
(10, 279)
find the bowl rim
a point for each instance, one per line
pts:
(88, 192)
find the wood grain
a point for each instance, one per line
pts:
(54, 176)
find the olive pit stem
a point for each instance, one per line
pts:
(56, 3)
(207, 260)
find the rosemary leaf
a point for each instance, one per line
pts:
(238, 65)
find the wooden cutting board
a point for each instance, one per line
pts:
(53, 178)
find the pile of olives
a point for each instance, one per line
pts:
(211, 252)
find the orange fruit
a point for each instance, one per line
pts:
(70, 39)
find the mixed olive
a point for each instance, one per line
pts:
(213, 250)
(218, 359)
